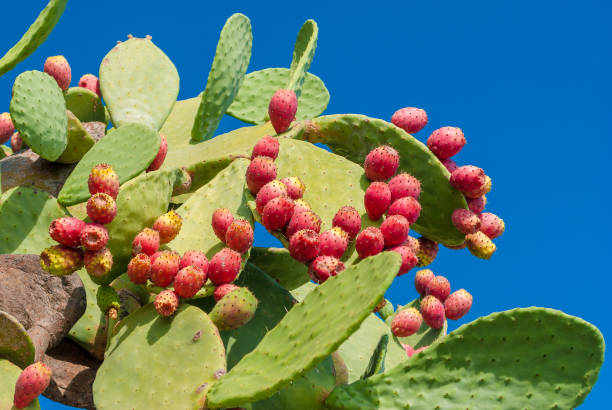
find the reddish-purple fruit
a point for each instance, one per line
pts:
(164, 268)
(428, 250)
(16, 142)
(139, 269)
(295, 187)
(196, 259)
(413, 244)
(468, 179)
(446, 142)
(438, 287)
(466, 221)
(30, 384)
(408, 207)
(324, 267)
(406, 322)
(168, 225)
(450, 165)
(60, 260)
(282, 109)
(301, 206)
(91, 82)
(348, 219)
(381, 163)
(458, 304)
(303, 220)
(395, 230)
(333, 242)
(409, 259)
(410, 119)
(166, 302)
(58, 68)
(239, 236)
(147, 241)
(188, 281)
(432, 311)
(6, 127)
(268, 192)
(480, 245)
(491, 225)
(93, 237)
(481, 191)
(277, 213)
(67, 231)
(223, 290)
(224, 266)
(422, 279)
(477, 205)
(304, 245)
(161, 154)
(266, 147)
(369, 242)
(222, 218)
(376, 200)
(101, 208)
(261, 170)
(403, 185)
(103, 179)
(98, 263)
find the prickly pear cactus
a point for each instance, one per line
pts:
(157, 217)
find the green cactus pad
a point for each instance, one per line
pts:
(146, 341)
(251, 103)
(532, 358)
(310, 331)
(79, 141)
(15, 343)
(277, 263)
(9, 373)
(303, 53)
(34, 37)
(85, 104)
(25, 216)
(5, 151)
(38, 111)
(117, 149)
(177, 127)
(202, 172)
(353, 136)
(425, 335)
(139, 83)
(387, 310)
(377, 361)
(225, 77)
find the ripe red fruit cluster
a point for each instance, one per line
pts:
(237, 234)
(281, 110)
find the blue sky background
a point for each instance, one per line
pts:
(528, 82)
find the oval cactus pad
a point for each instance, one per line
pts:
(303, 53)
(15, 343)
(85, 104)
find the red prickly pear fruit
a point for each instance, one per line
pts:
(304, 245)
(30, 384)
(188, 281)
(381, 163)
(403, 185)
(409, 259)
(168, 225)
(428, 250)
(268, 192)
(58, 68)
(139, 269)
(60, 260)
(376, 200)
(300, 206)
(303, 220)
(223, 290)
(413, 244)
(16, 142)
(277, 213)
(458, 304)
(147, 241)
(446, 142)
(98, 263)
(6, 127)
(480, 245)
(466, 221)
(432, 311)
(324, 267)
(166, 302)
(422, 279)
(295, 187)
(91, 82)
(261, 170)
(408, 207)
(439, 287)
(66, 231)
(266, 147)
(395, 230)
(155, 256)
(103, 179)
(406, 322)
(234, 310)
(224, 266)
(348, 219)
(222, 218)
(196, 259)
(333, 242)
(239, 235)
(468, 179)
(450, 165)
(101, 208)
(410, 119)
(491, 225)
(93, 237)
(369, 242)
(282, 109)
(161, 154)
(164, 268)
(477, 193)
(477, 205)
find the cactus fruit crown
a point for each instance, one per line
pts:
(225, 324)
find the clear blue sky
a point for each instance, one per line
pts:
(528, 82)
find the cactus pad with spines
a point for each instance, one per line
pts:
(15, 343)
(8, 377)
(139, 83)
(303, 53)
(85, 104)
(225, 77)
(129, 150)
(202, 172)
(277, 263)
(38, 111)
(251, 102)
(79, 141)
(533, 358)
